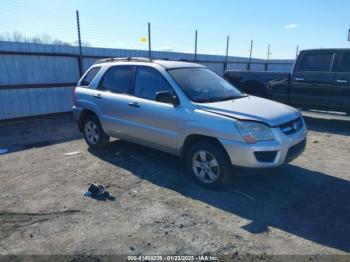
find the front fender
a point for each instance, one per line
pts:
(208, 124)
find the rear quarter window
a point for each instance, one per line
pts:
(89, 76)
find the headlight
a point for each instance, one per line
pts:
(253, 131)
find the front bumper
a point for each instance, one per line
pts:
(267, 154)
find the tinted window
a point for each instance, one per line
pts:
(316, 62)
(148, 82)
(345, 63)
(117, 79)
(89, 76)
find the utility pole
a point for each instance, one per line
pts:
(297, 52)
(79, 42)
(227, 45)
(250, 54)
(149, 42)
(268, 53)
(195, 46)
(268, 57)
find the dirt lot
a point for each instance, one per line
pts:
(302, 208)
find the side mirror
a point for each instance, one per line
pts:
(167, 97)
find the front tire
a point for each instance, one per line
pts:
(208, 164)
(93, 133)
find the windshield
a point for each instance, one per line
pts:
(203, 86)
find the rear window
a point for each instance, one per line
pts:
(86, 81)
(316, 62)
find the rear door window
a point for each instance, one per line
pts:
(117, 79)
(86, 81)
(320, 62)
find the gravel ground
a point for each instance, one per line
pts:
(301, 208)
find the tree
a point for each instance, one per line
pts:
(38, 39)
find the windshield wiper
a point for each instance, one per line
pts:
(212, 100)
(231, 98)
(205, 100)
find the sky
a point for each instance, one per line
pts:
(121, 24)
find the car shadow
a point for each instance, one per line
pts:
(302, 202)
(40, 131)
(328, 125)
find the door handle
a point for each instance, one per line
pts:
(299, 79)
(342, 81)
(134, 104)
(97, 96)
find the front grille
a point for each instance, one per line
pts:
(265, 156)
(292, 126)
(295, 150)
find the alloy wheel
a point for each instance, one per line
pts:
(91, 132)
(205, 167)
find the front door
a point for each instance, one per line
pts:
(154, 123)
(312, 80)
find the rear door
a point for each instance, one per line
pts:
(312, 81)
(342, 82)
(113, 97)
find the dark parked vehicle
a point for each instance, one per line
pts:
(320, 80)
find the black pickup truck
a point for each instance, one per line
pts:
(320, 80)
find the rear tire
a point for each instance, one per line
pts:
(209, 165)
(93, 133)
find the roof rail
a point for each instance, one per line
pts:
(123, 59)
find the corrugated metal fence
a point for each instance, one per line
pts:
(38, 79)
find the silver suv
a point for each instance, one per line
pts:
(187, 110)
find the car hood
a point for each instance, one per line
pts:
(253, 108)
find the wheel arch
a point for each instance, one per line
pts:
(192, 139)
(83, 115)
